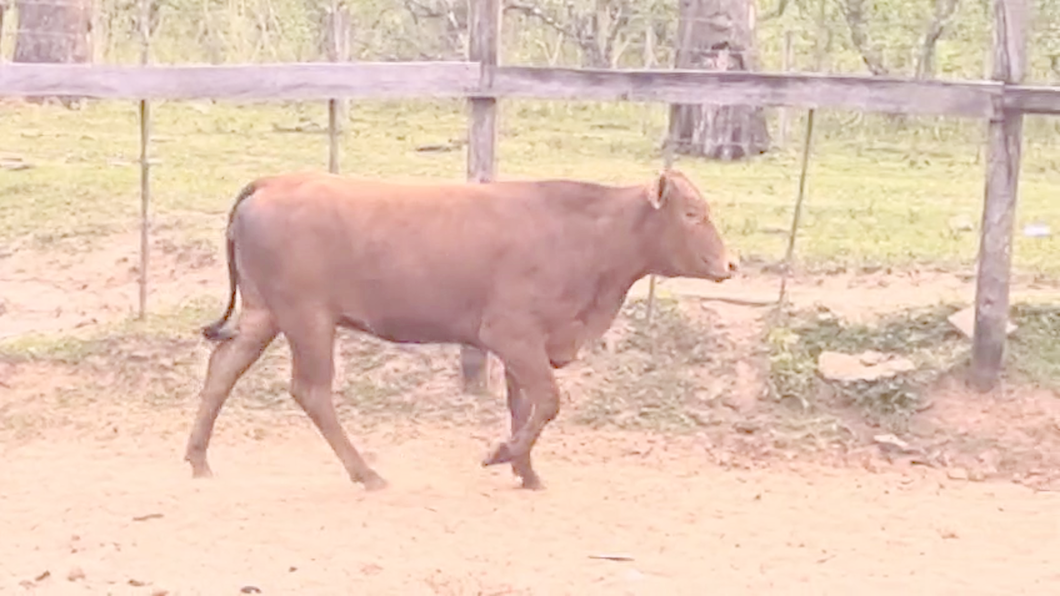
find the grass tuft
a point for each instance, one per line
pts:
(660, 375)
(924, 336)
(1033, 350)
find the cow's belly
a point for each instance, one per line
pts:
(407, 329)
(405, 313)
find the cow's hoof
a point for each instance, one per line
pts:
(501, 454)
(374, 482)
(532, 483)
(201, 471)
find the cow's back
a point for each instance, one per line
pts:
(424, 258)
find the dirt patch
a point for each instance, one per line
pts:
(856, 296)
(122, 516)
(667, 453)
(745, 491)
(697, 370)
(1011, 433)
(689, 374)
(74, 288)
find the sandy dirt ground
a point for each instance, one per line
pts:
(121, 515)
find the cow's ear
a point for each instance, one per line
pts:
(658, 190)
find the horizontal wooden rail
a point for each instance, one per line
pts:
(1032, 99)
(382, 80)
(873, 94)
(307, 80)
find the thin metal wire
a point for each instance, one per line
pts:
(145, 163)
(668, 164)
(789, 254)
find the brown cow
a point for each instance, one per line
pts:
(529, 271)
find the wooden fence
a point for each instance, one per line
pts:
(480, 81)
(1001, 101)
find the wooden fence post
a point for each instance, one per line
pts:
(333, 136)
(484, 43)
(338, 51)
(1005, 139)
(145, 164)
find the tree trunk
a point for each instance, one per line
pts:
(337, 29)
(854, 11)
(3, 9)
(54, 32)
(925, 64)
(717, 35)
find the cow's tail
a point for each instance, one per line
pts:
(216, 331)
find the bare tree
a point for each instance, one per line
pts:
(944, 11)
(717, 35)
(857, 19)
(449, 18)
(599, 32)
(335, 31)
(854, 13)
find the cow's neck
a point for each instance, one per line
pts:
(625, 262)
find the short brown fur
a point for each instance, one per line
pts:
(529, 271)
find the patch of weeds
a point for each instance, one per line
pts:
(71, 241)
(61, 349)
(180, 325)
(370, 397)
(194, 252)
(657, 375)
(1034, 348)
(384, 379)
(156, 361)
(923, 336)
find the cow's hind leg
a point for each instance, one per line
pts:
(520, 408)
(312, 350)
(229, 360)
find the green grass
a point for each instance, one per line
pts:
(923, 335)
(666, 374)
(880, 192)
(1034, 348)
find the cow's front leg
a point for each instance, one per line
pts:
(527, 363)
(520, 409)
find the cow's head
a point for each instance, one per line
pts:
(687, 242)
